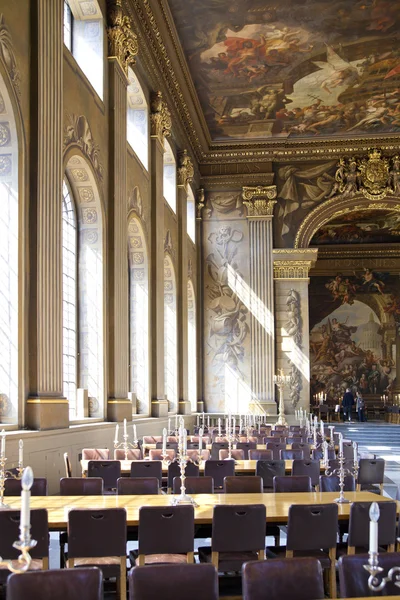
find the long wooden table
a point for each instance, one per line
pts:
(241, 466)
(209, 446)
(277, 505)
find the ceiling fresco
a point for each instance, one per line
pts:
(293, 68)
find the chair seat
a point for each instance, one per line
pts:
(36, 565)
(159, 559)
(110, 565)
(321, 555)
(228, 561)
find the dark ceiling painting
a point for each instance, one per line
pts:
(293, 68)
(363, 227)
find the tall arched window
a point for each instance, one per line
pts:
(169, 179)
(191, 217)
(9, 272)
(170, 335)
(139, 314)
(192, 371)
(137, 120)
(70, 268)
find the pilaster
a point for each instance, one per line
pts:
(46, 408)
(200, 203)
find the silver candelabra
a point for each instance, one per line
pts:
(182, 459)
(373, 567)
(281, 381)
(125, 445)
(341, 472)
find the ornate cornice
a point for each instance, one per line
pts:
(122, 41)
(200, 203)
(160, 117)
(259, 200)
(185, 169)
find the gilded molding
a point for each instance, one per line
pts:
(200, 203)
(185, 169)
(292, 269)
(122, 41)
(8, 55)
(260, 200)
(160, 117)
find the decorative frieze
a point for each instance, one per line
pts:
(160, 117)
(122, 41)
(260, 200)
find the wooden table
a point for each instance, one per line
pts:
(209, 446)
(241, 466)
(277, 505)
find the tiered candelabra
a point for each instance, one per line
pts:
(281, 381)
(373, 567)
(125, 445)
(341, 471)
(4, 474)
(182, 459)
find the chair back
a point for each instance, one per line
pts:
(274, 440)
(251, 484)
(194, 454)
(180, 582)
(132, 454)
(307, 467)
(348, 450)
(97, 532)
(135, 486)
(293, 439)
(12, 487)
(95, 454)
(238, 528)
(235, 454)
(359, 524)
(81, 486)
(9, 527)
(268, 469)
(168, 445)
(353, 578)
(283, 579)
(218, 470)
(67, 465)
(260, 454)
(318, 454)
(331, 483)
(191, 470)
(108, 470)
(147, 468)
(152, 439)
(172, 438)
(193, 445)
(158, 454)
(292, 484)
(216, 447)
(291, 454)
(57, 583)
(302, 446)
(276, 447)
(194, 485)
(334, 464)
(312, 526)
(371, 470)
(166, 529)
(246, 446)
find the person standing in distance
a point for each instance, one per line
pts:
(347, 404)
(360, 406)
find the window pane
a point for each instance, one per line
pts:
(137, 120)
(169, 180)
(67, 26)
(191, 221)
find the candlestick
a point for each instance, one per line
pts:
(125, 445)
(341, 444)
(26, 484)
(134, 434)
(124, 426)
(219, 427)
(201, 439)
(116, 434)
(374, 515)
(176, 422)
(3, 443)
(208, 421)
(197, 420)
(20, 454)
(169, 425)
(164, 442)
(322, 430)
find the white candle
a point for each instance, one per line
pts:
(322, 428)
(208, 421)
(164, 441)
(233, 426)
(226, 426)
(3, 443)
(198, 420)
(184, 433)
(240, 426)
(325, 448)
(176, 422)
(203, 420)
(116, 434)
(373, 527)
(340, 444)
(134, 433)
(355, 458)
(26, 484)
(169, 425)
(219, 427)
(20, 452)
(200, 439)
(125, 427)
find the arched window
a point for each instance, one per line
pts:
(192, 371)
(137, 120)
(139, 314)
(9, 271)
(169, 179)
(83, 36)
(170, 335)
(191, 217)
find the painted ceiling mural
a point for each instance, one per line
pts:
(293, 68)
(362, 227)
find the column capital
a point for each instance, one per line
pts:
(160, 117)
(260, 200)
(294, 263)
(200, 203)
(185, 169)
(122, 41)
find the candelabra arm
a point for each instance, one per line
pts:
(24, 545)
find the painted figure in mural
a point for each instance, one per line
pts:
(374, 379)
(372, 281)
(394, 175)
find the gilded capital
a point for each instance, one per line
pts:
(185, 169)
(260, 200)
(160, 117)
(200, 203)
(292, 269)
(122, 41)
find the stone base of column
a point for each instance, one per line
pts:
(47, 413)
(269, 408)
(200, 406)
(159, 408)
(119, 409)
(185, 407)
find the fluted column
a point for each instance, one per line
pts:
(46, 407)
(260, 202)
(185, 176)
(200, 203)
(122, 51)
(160, 122)
(291, 269)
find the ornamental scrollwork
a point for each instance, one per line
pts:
(160, 117)
(122, 41)
(185, 169)
(294, 330)
(8, 55)
(260, 200)
(77, 131)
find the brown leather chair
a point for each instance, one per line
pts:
(95, 454)
(331, 483)
(246, 446)
(283, 579)
(260, 454)
(238, 535)
(9, 527)
(193, 454)
(292, 484)
(57, 583)
(81, 486)
(291, 454)
(218, 470)
(276, 447)
(235, 454)
(97, 538)
(147, 468)
(371, 474)
(318, 454)
(133, 486)
(152, 439)
(250, 484)
(216, 447)
(353, 578)
(166, 535)
(194, 485)
(348, 450)
(302, 446)
(274, 440)
(191, 470)
(168, 445)
(67, 464)
(170, 453)
(268, 469)
(180, 582)
(132, 454)
(279, 433)
(308, 467)
(252, 439)
(12, 487)
(359, 526)
(108, 470)
(295, 439)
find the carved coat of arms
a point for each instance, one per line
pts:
(374, 175)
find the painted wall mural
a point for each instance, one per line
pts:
(353, 324)
(293, 69)
(363, 227)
